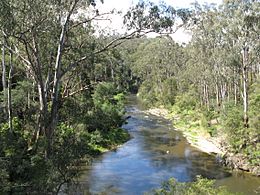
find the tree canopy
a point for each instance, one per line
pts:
(63, 86)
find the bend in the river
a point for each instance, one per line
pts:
(155, 153)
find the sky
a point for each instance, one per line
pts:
(116, 22)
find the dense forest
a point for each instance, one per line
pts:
(212, 83)
(63, 86)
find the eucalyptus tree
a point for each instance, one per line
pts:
(53, 40)
(205, 55)
(223, 60)
(158, 62)
(243, 30)
(41, 36)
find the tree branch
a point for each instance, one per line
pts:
(77, 91)
(90, 19)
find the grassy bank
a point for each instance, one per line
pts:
(103, 142)
(200, 186)
(197, 135)
(213, 133)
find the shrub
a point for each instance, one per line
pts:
(108, 109)
(200, 186)
(148, 94)
(232, 124)
(169, 91)
(185, 102)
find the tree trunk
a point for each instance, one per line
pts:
(56, 83)
(28, 94)
(217, 97)
(235, 85)
(4, 77)
(223, 91)
(9, 95)
(245, 85)
(55, 93)
(235, 93)
(207, 97)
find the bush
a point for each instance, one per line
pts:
(206, 117)
(148, 94)
(254, 114)
(185, 102)
(233, 127)
(200, 186)
(114, 137)
(25, 171)
(108, 109)
(169, 91)
(14, 159)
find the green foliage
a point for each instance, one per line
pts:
(207, 116)
(16, 165)
(169, 91)
(24, 171)
(153, 94)
(108, 109)
(200, 186)
(114, 137)
(104, 92)
(232, 121)
(184, 103)
(158, 18)
(147, 93)
(254, 103)
(253, 146)
(156, 62)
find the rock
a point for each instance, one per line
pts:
(240, 161)
(128, 117)
(162, 112)
(256, 171)
(214, 122)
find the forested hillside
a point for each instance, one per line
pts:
(212, 84)
(63, 86)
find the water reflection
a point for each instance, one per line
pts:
(154, 154)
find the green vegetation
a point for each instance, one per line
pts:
(63, 86)
(200, 186)
(211, 85)
(24, 170)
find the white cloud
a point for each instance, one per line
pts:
(116, 21)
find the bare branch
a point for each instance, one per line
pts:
(77, 91)
(16, 51)
(96, 17)
(114, 43)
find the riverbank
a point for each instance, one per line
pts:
(203, 141)
(111, 140)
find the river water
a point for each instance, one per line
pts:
(155, 153)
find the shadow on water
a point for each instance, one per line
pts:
(154, 154)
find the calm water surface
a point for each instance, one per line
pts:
(155, 153)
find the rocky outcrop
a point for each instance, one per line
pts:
(162, 112)
(204, 144)
(240, 161)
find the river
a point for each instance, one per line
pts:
(155, 153)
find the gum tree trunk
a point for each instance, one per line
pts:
(245, 85)
(9, 94)
(4, 76)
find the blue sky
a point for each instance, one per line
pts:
(116, 23)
